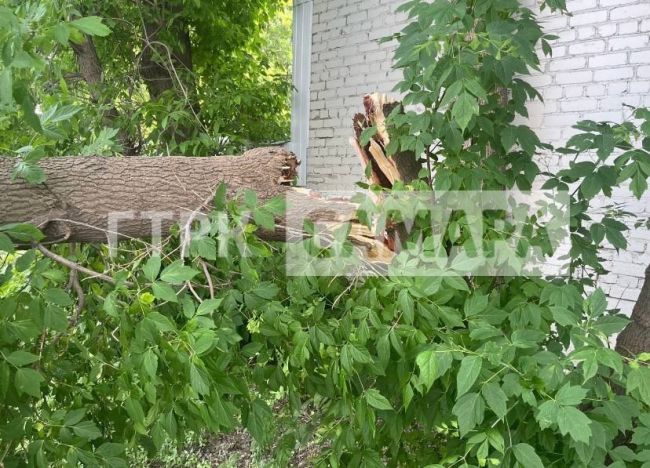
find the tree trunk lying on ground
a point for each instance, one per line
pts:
(82, 194)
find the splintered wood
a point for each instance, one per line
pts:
(385, 170)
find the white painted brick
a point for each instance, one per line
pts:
(617, 88)
(556, 23)
(615, 3)
(586, 32)
(574, 77)
(629, 27)
(576, 105)
(590, 47)
(573, 63)
(573, 91)
(614, 74)
(594, 90)
(607, 29)
(643, 72)
(632, 11)
(577, 5)
(640, 86)
(592, 17)
(608, 60)
(628, 42)
(640, 57)
(645, 25)
(552, 92)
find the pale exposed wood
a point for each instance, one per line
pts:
(365, 161)
(386, 169)
(386, 165)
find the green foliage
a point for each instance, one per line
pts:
(236, 93)
(398, 371)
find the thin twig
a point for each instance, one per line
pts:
(209, 278)
(198, 298)
(75, 266)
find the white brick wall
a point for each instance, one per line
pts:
(600, 62)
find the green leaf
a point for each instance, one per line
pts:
(639, 184)
(570, 395)
(264, 219)
(164, 292)
(574, 422)
(639, 379)
(590, 186)
(162, 323)
(428, 365)
(110, 449)
(366, 135)
(526, 456)
(62, 34)
(91, 25)
(597, 303)
(55, 318)
(547, 414)
(150, 362)
(23, 97)
(259, 420)
(406, 306)
(152, 267)
(470, 368)
(470, 411)
(87, 430)
(135, 411)
(58, 296)
(177, 273)
(74, 416)
(6, 87)
(564, 316)
(495, 398)
(29, 172)
(208, 306)
(29, 381)
(377, 400)
(21, 358)
(5, 244)
(198, 380)
(465, 107)
(22, 232)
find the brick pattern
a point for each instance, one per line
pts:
(600, 62)
(347, 62)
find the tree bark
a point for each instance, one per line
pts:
(635, 339)
(83, 194)
(80, 193)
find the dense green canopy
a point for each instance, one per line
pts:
(147, 77)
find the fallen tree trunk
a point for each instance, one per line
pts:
(82, 193)
(104, 199)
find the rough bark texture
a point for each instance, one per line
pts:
(80, 192)
(635, 339)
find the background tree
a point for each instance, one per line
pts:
(152, 77)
